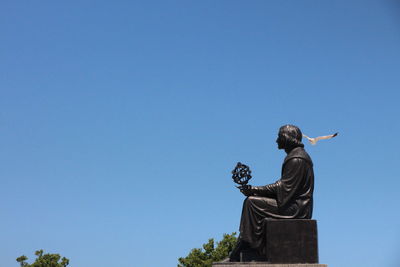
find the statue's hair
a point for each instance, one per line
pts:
(291, 136)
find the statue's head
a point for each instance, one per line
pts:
(289, 137)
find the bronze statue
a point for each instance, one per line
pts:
(291, 197)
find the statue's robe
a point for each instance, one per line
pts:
(291, 197)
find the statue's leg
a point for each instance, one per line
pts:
(255, 210)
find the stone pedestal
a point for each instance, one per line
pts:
(288, 243)
(291, 241)
(264, 264)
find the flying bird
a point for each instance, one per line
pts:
(314, 141)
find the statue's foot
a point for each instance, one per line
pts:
(234, 259)
(235, 254)
(251, 255)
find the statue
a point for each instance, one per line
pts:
(291, 197)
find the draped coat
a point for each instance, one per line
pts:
(291, 197)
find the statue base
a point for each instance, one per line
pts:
(291, 241)
(288, 243)
(265, 264)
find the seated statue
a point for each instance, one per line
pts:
(291, 197)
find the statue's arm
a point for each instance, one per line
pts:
(266, 190)
(284, 188)
(262, 191)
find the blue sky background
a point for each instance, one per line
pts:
(121, 121)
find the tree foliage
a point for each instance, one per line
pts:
(44, 260)
(209, 253)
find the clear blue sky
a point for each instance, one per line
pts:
(120, 122)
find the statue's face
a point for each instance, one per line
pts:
(280, 141)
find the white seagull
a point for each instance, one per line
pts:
(314, 141)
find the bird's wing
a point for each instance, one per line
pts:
(326, 136)
(312, 140)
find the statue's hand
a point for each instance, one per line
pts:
(246, 190)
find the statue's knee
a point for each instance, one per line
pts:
(249, 200)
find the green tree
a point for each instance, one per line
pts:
(44, 260)
(209, 253)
